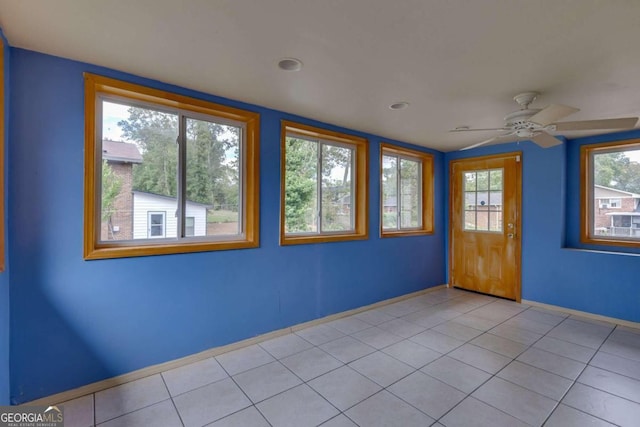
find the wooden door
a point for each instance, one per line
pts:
(484, 224)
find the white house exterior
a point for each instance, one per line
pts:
(154, 216)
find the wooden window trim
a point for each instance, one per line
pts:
(426, 160)
(2, 169)
(587, 195)
(361, 187)
(95, 249)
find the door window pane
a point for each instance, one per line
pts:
(470, 181)
(483, 198)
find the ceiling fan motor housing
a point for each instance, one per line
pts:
(519, 122)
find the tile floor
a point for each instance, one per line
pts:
(445, 358)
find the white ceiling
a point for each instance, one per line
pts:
(457, 62)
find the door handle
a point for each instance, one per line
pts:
(512, 230)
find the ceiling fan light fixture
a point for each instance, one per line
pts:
(398, 105)
(290, 64)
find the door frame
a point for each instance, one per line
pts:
(518, 250)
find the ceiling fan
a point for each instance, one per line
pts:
(535, 124)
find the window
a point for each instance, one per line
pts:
(158, 164)
(483, 200)
(406, 185)
(190, 226)
(155, 225)
(611, 193)
(2, 124)
(324, 185)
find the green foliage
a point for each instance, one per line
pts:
(390, 220)
(301, 186)
(212, 157)
(484, 180)
(155, 133)
(300, 183)
(616, 170)
(111, 186)
(405, 212)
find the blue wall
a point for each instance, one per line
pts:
(555, 268)
(74, 322)
(4, 276)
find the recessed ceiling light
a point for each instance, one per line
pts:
(398, 105)
(290, 64)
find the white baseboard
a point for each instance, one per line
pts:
(156, 369)
(583, 314)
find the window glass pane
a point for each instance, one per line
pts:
(495, 221)
(138, 171)
(482, 200)
(470, 181)
(469, 220)
(495, 179)
(482, 220)
(616, 193)
(410, 216)
(189, 226)
(482, 180)
(337, 169)
(486, 200)
(389, 192)
(470, 200)
(213, 177)
(301, 186)
(155, 226)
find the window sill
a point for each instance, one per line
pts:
(305, 239)
(611, 251)
(108, 251)
(405, 233)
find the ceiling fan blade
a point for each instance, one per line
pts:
(479, 144)
(474, 130)
(622, 123)
(545, 140)
(491, 141)
(552, 113)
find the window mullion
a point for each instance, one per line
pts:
(352, 188)
(319, 188)
(420, 194)
(398, 193)
(182, 175)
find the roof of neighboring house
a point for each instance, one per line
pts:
(602, 192)
(483, 198)
(160, 196)
(118, 151)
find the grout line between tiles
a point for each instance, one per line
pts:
(171, 399)
(444, 306)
